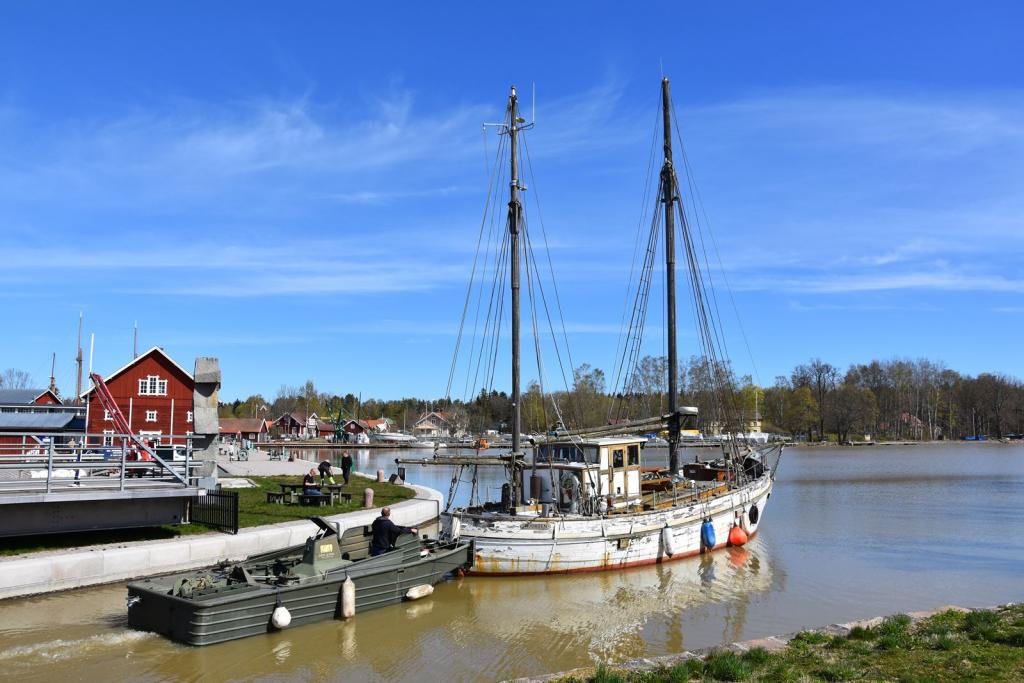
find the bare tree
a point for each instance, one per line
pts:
(12, 378)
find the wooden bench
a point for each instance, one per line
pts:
(314, 499)
(275, 497)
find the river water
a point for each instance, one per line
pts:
(849, 533)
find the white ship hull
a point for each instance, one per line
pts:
(507, 545)
(394, 437)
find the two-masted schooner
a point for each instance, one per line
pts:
(582, 502)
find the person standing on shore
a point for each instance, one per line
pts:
(325, 473)
(346, 466)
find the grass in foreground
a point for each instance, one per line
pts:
(951, 646)
(253, 510)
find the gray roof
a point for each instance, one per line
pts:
(30, 422)
(19, 396)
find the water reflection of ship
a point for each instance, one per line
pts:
(562, 621)
(615, 615)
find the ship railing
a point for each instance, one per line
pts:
(63, 462)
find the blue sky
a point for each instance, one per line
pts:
(297, 190)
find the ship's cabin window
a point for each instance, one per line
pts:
(566, 453)
(634, 454)
(617, 457)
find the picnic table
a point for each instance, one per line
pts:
(332, 492)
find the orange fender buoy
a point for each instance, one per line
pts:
(737, 536)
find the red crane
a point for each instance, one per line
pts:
(122, 427)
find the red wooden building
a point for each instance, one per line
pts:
(153, 392)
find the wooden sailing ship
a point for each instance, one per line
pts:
(580, 504)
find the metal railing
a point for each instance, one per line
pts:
(218, 509)
(55, 462)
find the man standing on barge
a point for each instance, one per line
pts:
(386, 533)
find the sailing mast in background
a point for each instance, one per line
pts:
(78, 361)
(668, 197)
(53, 378)
(515, 212)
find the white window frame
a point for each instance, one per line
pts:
(152, 385)
(108, 437)
(150, 416)
(188, 417)
(107, 417)
(155, 436)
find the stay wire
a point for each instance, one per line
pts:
(699, 202)
(469, 287)
(623, 338)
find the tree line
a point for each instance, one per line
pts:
(890, 399)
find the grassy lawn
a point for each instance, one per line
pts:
(951, 646)
(253, 510)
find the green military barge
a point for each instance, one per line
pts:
(330, 576)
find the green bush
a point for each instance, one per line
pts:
(834, 672)
(757, 656)
(861, 633)
(726, 665)
(811, 637)
(606, 675)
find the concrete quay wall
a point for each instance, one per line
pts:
(56, 570)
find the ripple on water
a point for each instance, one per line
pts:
(64, 649)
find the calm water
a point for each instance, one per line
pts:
(849, 533)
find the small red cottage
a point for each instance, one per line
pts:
(153, 392)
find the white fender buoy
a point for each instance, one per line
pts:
(744, 522)
(348, 598)
(420, 591)
(456, 529)
(669, 541)
(281, 617)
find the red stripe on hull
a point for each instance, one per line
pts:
(612, 567)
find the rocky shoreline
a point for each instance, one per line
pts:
(771, 644)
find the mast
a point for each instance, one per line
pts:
(668, 198)
(53, 378)
(515, 210)
(78, 361)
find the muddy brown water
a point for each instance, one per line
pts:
(849, 533)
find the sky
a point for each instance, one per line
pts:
(296, 189)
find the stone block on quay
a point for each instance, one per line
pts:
(208, 549)
(30, 572)
(272, 538)
(77, 569)
(168, 555)
(124, 563)
(240, 547)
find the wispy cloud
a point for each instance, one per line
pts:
(905, 123)
(846, 283)
(189, 149)
(857, 191)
